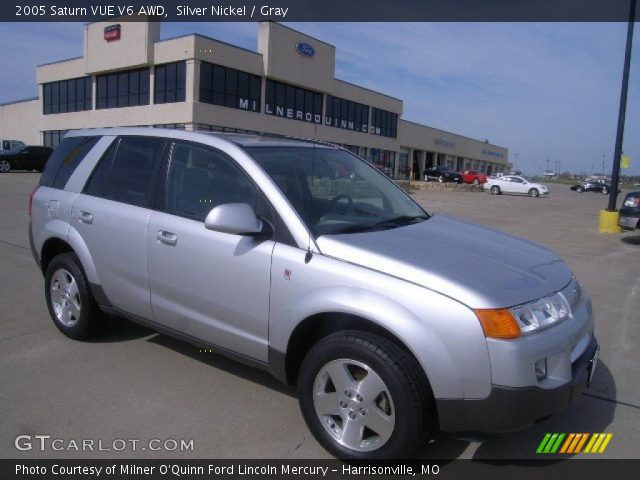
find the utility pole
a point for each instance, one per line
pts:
(603, 157)
(557, 169)
(547, 169)
(615, 174)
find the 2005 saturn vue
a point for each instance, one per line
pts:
(301, 258)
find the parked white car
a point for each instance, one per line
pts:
(515, 184)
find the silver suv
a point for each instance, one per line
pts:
(304, 260)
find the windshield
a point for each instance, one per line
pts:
(336, 192)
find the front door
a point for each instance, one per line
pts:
(210, 285)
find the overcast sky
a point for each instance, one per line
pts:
(541, 90)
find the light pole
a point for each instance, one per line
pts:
(603, 157)
(615, 174)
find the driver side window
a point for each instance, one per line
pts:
(201, 178)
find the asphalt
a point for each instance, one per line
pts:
(135, 384)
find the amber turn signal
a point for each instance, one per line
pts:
(498, 323)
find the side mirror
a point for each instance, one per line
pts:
(235, 218)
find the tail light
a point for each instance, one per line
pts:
(31, 199)
(632, 202)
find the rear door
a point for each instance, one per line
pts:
(210, 285)
(111, 216)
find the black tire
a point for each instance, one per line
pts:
(91, 319)
(411, 395)
(534, 192)
(5, 166)
(495, 190)
(579, 189)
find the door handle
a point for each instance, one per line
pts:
(167, 238)
(86, 217)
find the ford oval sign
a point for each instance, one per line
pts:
(305, 49)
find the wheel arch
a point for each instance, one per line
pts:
(71, 242)
(320, 325)
(52, 246)
(330, 309)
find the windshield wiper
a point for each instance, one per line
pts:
(386, 223)
(400, 220)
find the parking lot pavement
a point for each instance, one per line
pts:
(135, 384)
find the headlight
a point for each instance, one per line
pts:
(541, 314)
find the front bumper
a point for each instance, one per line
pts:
(507, 409)
(629, 223)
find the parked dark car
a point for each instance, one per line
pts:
(26, 157)
(630, 212)
(442, 173)
(596, 186)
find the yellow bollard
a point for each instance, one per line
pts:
(608, 222)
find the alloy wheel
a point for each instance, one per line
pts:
(354, 405)
(4, 166)
(65, 297)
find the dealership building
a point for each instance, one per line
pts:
(128, 76)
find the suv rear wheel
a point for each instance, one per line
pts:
(71, 304)
(363, 397)
(5, 166)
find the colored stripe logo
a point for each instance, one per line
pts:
(571, 443)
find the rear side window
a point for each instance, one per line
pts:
(127, 171)
(64, 160)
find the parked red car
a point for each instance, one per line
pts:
(471, 176)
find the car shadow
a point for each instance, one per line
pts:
(592, 412)
(119, 329)
(631, 239)
(221, 362)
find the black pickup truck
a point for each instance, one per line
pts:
(25, 157)
(442, 173)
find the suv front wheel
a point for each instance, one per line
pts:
(363, 397)
(71, 304)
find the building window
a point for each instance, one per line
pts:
(228, 87)
(383, 160)
(72, 95)
(346, 114)
(51, 138)
(384, 123)
(123, 89)
(173, 126)
(170, 82)
(218, 128)
(283, 100)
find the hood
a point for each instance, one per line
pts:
(478, 266)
